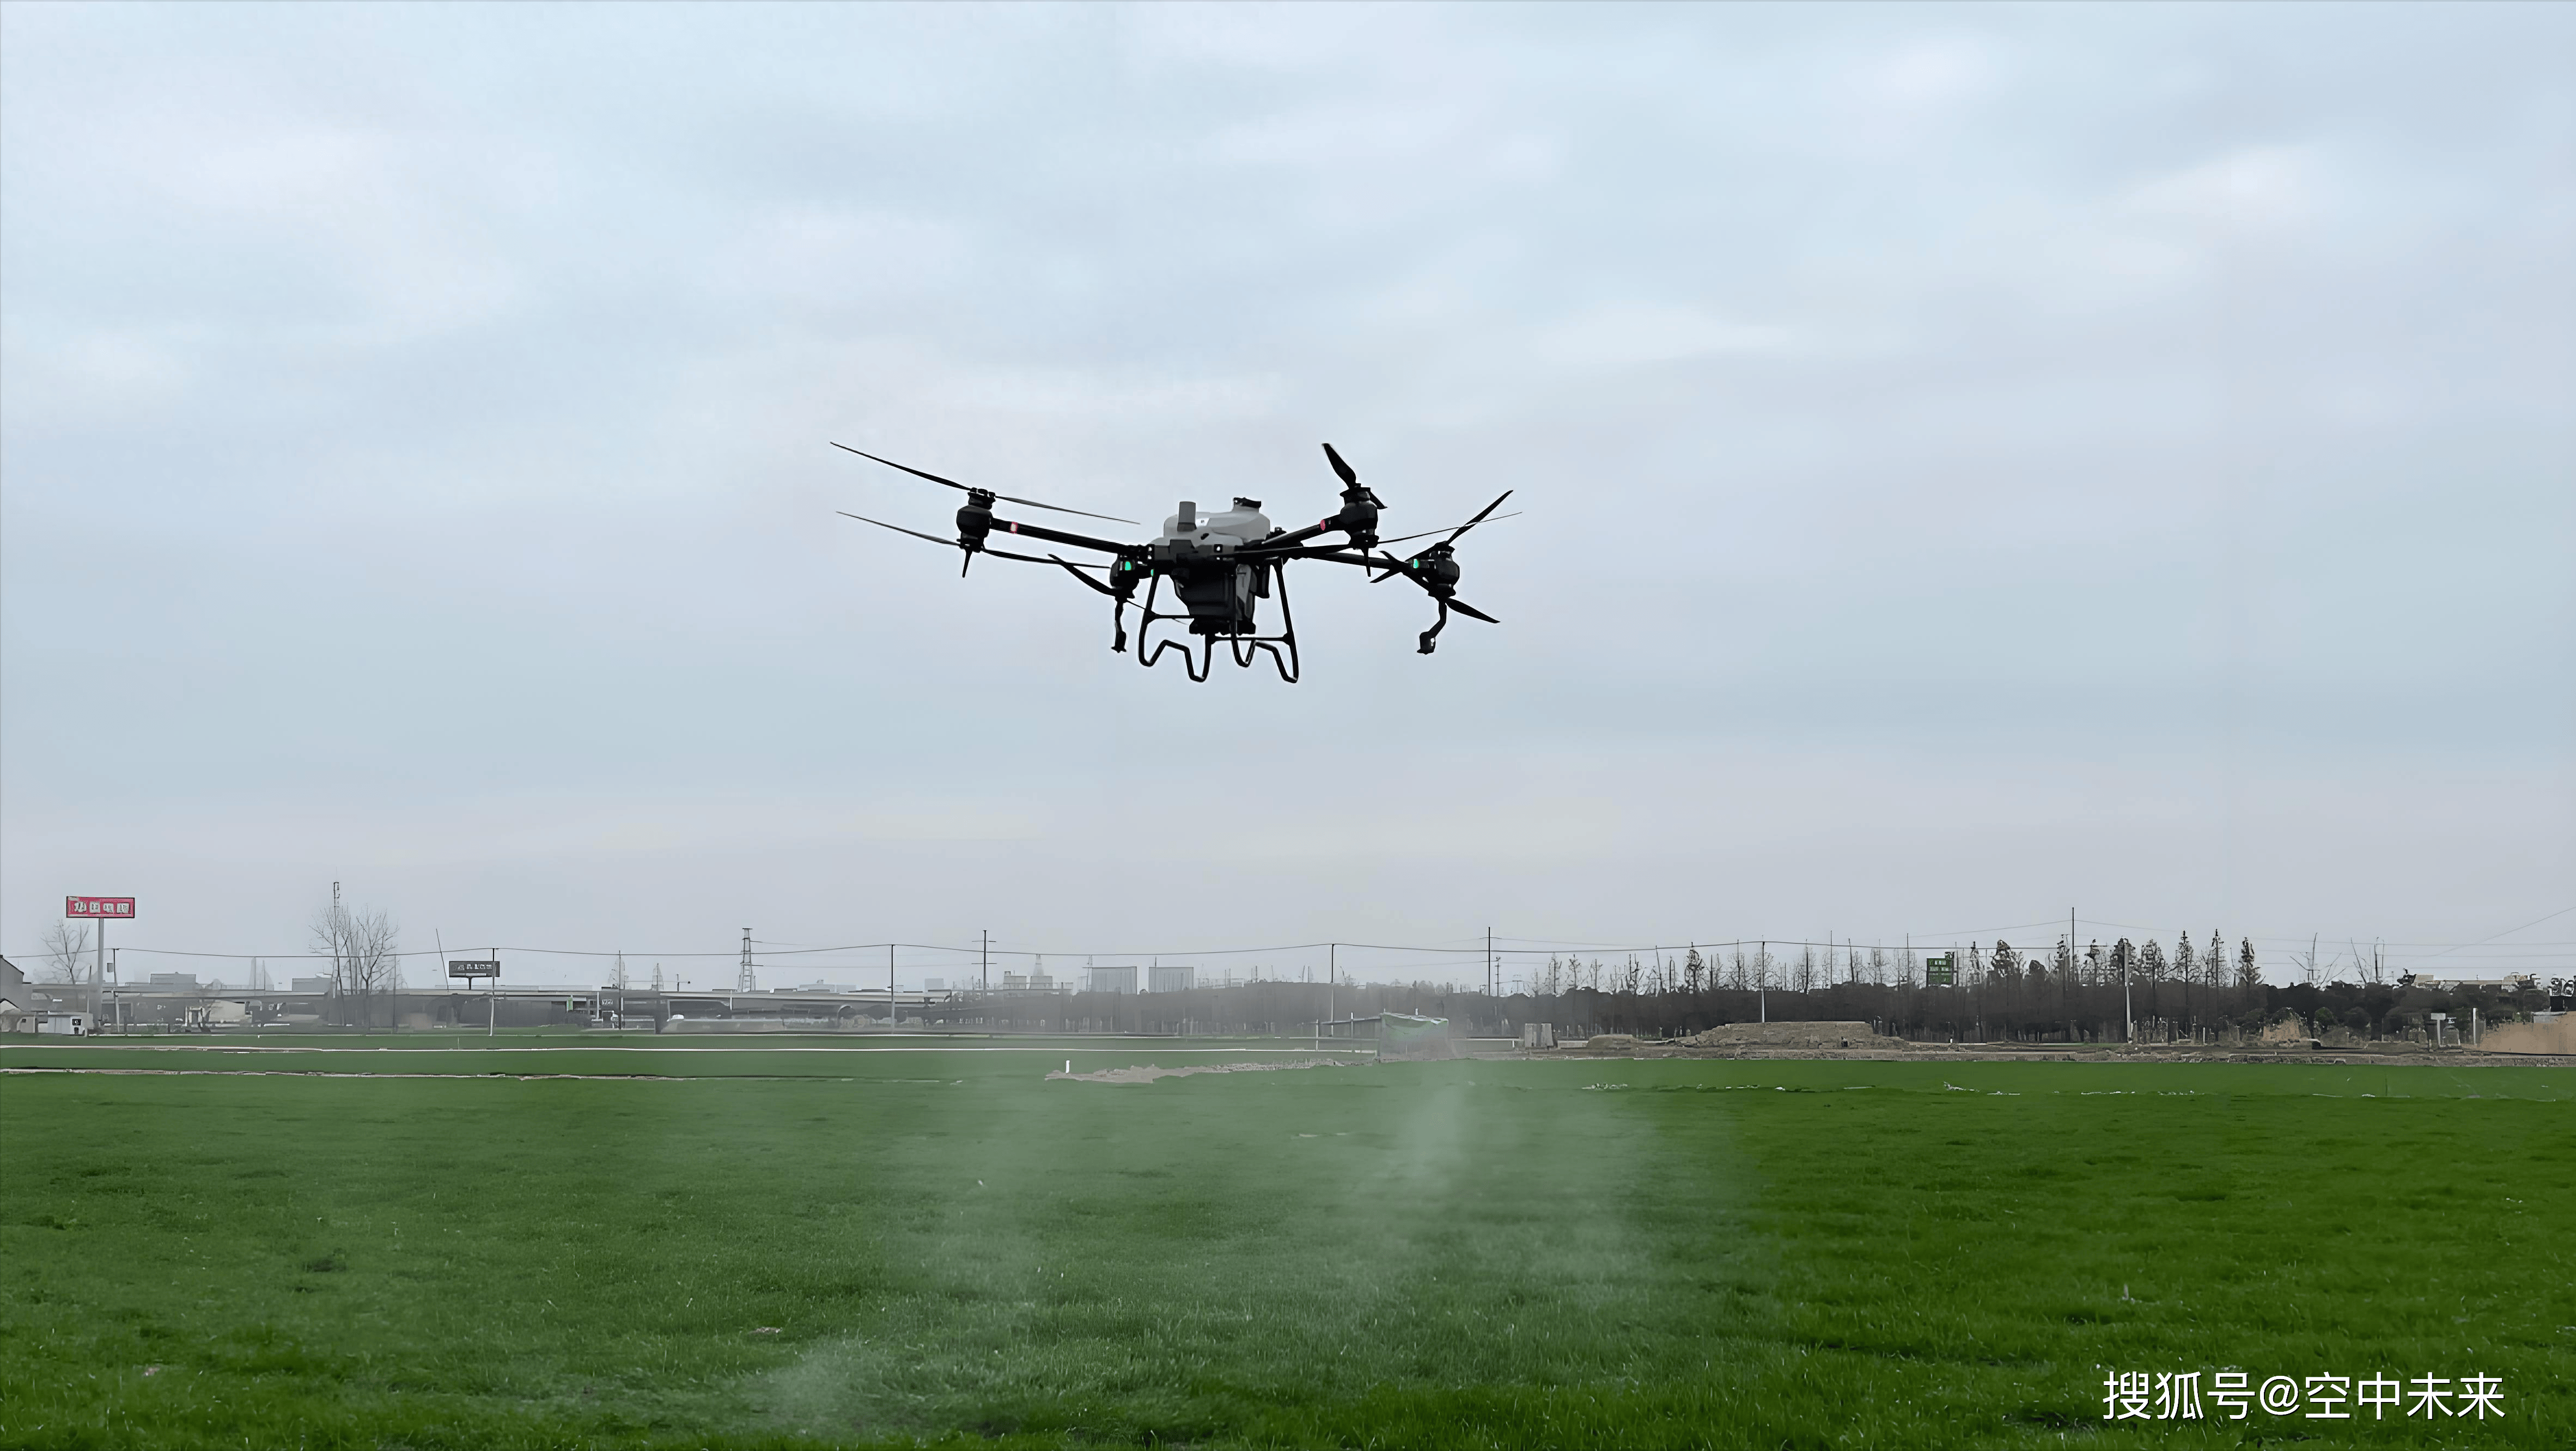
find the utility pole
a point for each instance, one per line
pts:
(339, 979)
(987, 960)
(890, 1011)
(2128, 1010)
(744, 981)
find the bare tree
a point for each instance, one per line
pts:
(2309, 972)
(361, 946)
(66, 949)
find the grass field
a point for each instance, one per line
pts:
(779, 1247)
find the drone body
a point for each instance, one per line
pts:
(1221, 566)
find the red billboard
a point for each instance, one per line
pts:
(98, 906)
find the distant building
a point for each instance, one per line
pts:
(2510, 982)
(934, 984)
(1109, 979)
(311, 985)
(1163, 979)
(175, 981)
(220, 1013)
(16, 1003)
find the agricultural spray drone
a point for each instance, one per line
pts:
(1220, 564)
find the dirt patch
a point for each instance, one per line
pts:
(1604, 1043)
(1147, 1072)
(1813, 1036)
(2555, 1036)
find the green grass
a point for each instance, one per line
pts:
(1504, 1253)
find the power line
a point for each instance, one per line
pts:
(1432, 955)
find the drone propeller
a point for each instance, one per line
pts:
(970, 489)
(970, 553)
(1470, 611)
(1350, 477)
(1396, 567)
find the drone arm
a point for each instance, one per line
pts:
(1058, 536)
(1447, 598)
(1292, 538)
(1332, 556)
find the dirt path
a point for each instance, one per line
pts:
(1147, 1072)
(1989, 1053)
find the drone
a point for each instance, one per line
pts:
(1221, 565)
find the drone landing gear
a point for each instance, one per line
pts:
(1198, 660)
(1431, 637)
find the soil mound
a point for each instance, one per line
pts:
(2558, 1035)
(1604, 1043)
(1792, 1035)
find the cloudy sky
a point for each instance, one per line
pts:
(1977, 462)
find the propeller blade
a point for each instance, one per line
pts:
(1427, 533)
(1471, 612)
(1348, 474)
(1059, 508)
(907, 468)
(899, 529)
(952, 483)
(1480, 515)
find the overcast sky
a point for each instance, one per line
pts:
(1977, 463)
